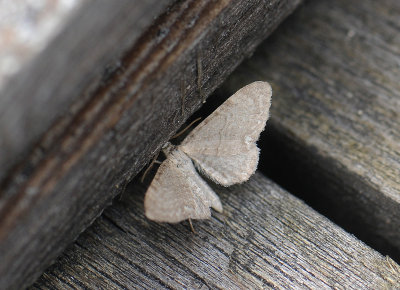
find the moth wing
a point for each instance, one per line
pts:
(223, 145)
(177, 192)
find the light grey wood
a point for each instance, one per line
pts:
(266, 238)
(87, 115)
(26, 28)
(335, 114)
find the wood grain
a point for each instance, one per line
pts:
(266, 238)
(86, 116)
(335, 128)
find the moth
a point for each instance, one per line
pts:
(222, 148)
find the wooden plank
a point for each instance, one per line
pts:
(103, 127)
(335, 127)
(59, 79)
(266, 238)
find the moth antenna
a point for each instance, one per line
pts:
(191, 226)
(149, 167)
(199, 77)
(183, 95)
(186, 128)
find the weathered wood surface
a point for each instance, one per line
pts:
(266, 238)
(334, 135)
(60, 80)
(105, 122)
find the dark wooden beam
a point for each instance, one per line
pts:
(60, 79)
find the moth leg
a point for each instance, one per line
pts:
(191, 226)
(149, 167)
(123, 190)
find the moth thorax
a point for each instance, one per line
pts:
(168, 148)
